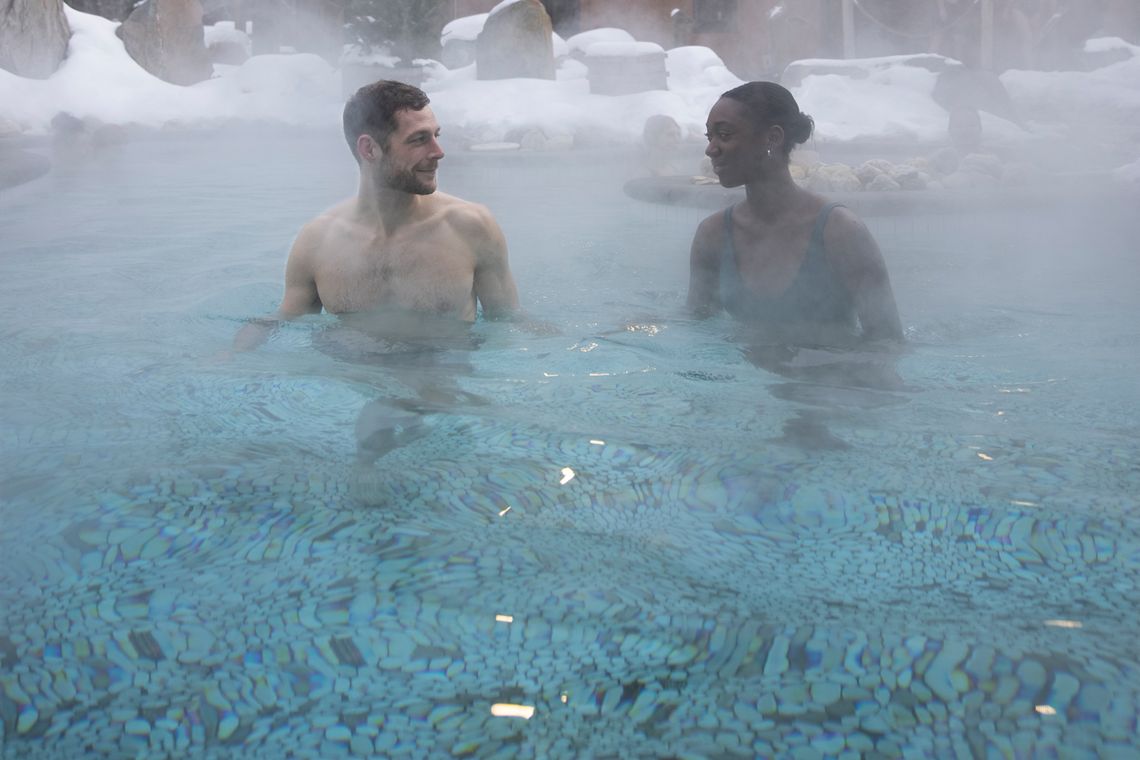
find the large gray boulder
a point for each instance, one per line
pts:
(33, 37)
(165, 37)
(960, 87)
(516, 41)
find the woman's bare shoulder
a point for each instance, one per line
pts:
(843, 219)
(850, 246)
(711, 228)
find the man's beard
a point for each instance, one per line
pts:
(407, 181)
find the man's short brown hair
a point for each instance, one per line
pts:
(372, 110)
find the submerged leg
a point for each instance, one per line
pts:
(384, 426)
(808, 431)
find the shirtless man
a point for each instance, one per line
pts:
(398, 249)
(405, 267)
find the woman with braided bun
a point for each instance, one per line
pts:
(784, 260)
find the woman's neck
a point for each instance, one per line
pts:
(772, 195)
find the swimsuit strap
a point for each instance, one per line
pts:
(816, 244)
(729, 282)
(728, 247)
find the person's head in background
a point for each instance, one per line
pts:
(964, 129)
(661, 132)
(661, 138)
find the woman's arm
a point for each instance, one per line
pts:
(856, 258)
(704, 268)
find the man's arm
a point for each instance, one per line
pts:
(704, 271)
(494, 285)
(857, 259)
(300, 296)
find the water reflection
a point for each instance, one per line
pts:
(502, 710)
(423, 354)
(826, 382)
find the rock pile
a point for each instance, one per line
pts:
(945, 169)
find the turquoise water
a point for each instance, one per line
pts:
(627, 531)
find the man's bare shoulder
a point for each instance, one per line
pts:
(473, 221)
(315, 233)
(331, 217)
(463, 212)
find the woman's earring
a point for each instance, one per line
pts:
(769, 152)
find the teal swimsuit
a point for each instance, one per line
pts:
(815, 296)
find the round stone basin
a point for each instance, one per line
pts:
(1095, 189)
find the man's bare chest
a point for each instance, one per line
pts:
(432, 273)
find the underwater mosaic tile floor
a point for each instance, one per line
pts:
(657, 603)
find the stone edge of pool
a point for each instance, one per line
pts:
(1098, 189)
(18, 166)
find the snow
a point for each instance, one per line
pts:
(468, 28)
(891, 102)
(1108, 44)
(98, 80)
(871, 99)
(502, 5)
(463, 29)
(623, 49)
(561, 49)
(225, 32)
(1110, 94)
(579, 42)
(695, 68)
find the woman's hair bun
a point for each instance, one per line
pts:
(800, 127)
